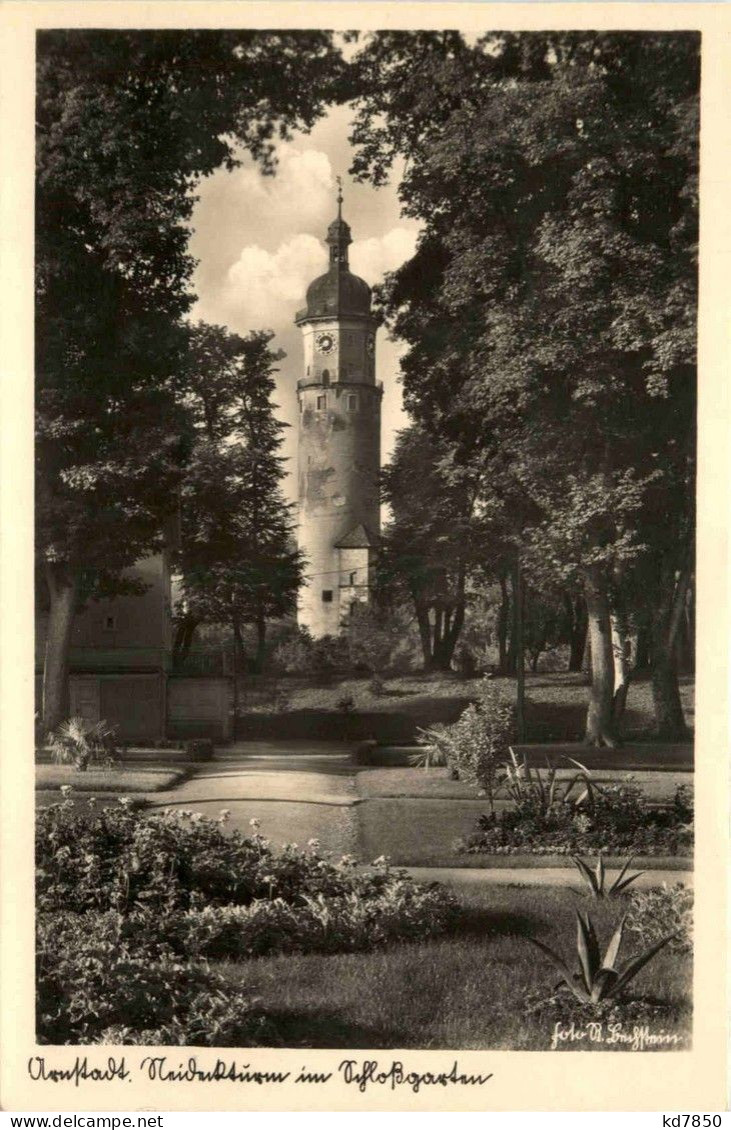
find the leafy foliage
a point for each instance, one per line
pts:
(554, 285)
(100, 979)
(128, 122)
(477, 744)
(238, 562)
(663, 910)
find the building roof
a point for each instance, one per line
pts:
(335, 294)
(358, 538)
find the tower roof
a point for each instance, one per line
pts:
(338, 292)
(358, 538)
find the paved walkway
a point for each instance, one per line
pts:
(298, 791)
(465, 877)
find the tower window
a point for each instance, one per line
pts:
(352, 578)
(326, 377)
(321, 401)
(110, 623)
(352, 403)
(327, 596)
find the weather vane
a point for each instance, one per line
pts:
(340, 194)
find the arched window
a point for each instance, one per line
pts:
(326, 377)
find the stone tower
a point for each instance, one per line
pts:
(339, 451)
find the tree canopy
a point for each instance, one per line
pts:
(127, 124)
(549, 310)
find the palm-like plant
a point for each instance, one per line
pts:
(77, 742)
(598, 979)
(596, 879)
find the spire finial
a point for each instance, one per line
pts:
(340, 197)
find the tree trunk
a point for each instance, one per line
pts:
(512, 658)
(261, 640)
(422, 619)
(622, 654)
(63, 588)
(503, 621)
(586, 658)
(184, 637)
(576, 614)
(518, 649)
(642, 647)
(669, 719)
(239, 648)
(450, 632)
(599, 728)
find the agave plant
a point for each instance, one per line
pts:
(525, 785)
(596, 879)
(598, 979)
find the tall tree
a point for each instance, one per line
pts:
(238, 562)
(549, 310)
(434, 540)
(127, 124)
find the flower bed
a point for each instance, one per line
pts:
(616, 821)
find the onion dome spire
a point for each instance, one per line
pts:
(338, 234)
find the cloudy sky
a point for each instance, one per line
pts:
(260, 242)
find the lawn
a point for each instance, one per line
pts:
(466, 991)
(437, 783)
(121, 780)
(555, 703)
(414, 817)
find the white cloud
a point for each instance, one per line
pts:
(372, 258)
(265, 288)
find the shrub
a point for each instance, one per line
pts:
(294, 653)
(119, 859)
(330, 656)
(100, 979)
(372, 639)
(201, 748)
(318, 923)
(81, 744)
(479, 741)
(663, 910)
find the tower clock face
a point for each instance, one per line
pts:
(325, 343)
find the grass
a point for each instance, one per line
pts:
(555, 702)
(465, 991)
(118, 780)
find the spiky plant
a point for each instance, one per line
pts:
(598, 979)
(596, 879)
(79, 743)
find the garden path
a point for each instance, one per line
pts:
(298, 791)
